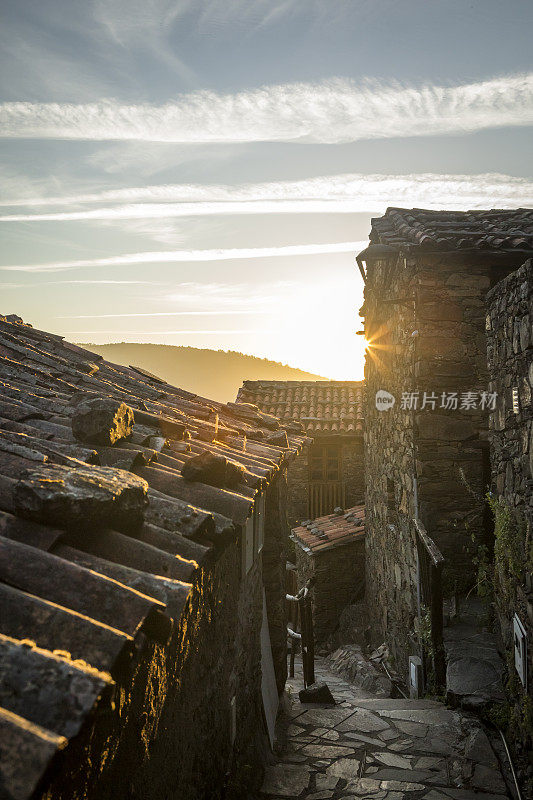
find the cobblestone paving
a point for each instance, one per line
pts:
(383, 749)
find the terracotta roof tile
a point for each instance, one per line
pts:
(324, 407)
(330, 531)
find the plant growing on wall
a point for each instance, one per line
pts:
(425, 638)
(513, 553)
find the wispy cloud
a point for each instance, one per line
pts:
(175, 256)
(330, 112)
(201, 313)
(122, 334)
(82, 283)
(347, 193)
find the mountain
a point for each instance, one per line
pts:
(217, 374)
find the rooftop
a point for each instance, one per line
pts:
(334, 530)
(103, 527)
(323, 407)
(417, 228)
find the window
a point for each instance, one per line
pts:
(325, 463)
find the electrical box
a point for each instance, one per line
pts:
(416, 677)
(520, 649)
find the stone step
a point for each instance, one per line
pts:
(382, 749)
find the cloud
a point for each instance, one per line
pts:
(83, 283)
(329, 112)
(129, 21)
(202, 313)
(348, 193)
(122, 333)
(174, 256)
(213, 299)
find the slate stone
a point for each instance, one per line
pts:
(316, 693)
(478, 749)
(441, 427)
(346, 768)
(364, 787)
(390, 774)
(472, 676)
(388, 735)
(285, 780)
(294, 730)
(361, 738)
(401, 786)
(81, 498)
(278, 438)
(102, 420)
(431, 763)
(325, 781)
(412, 728)
(440, 716)
(393, 760)
(466, 794)
(437, 745)
(325, 717)
(403, 744)
(363, 721)
(488, 780)
(213, 470)
(326, 750)
(396, 704)
(331, 735)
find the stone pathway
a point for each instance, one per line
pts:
(383, 749)
(474, 674)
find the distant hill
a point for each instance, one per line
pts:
(216, 374)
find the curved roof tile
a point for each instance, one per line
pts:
(334, 407)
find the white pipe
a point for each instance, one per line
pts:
(515, 779)
(293, 634)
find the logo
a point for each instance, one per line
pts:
(384, 400)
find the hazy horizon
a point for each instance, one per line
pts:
(216, 374)
(88, 346)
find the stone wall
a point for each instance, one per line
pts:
(275, 552)
(168, 731)
(353, 470)
(424, 318)
(339, 576)
(510, 357)
(298, 488)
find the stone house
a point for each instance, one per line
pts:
(510, 359)
(142, 580)
(330, 552)
(328, 473)
(427, 274)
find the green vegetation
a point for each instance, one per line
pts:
(216, 374)
(513, 551)
(425, 636)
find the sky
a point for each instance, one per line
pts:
(203, 172)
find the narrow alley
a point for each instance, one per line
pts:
(385, 749)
